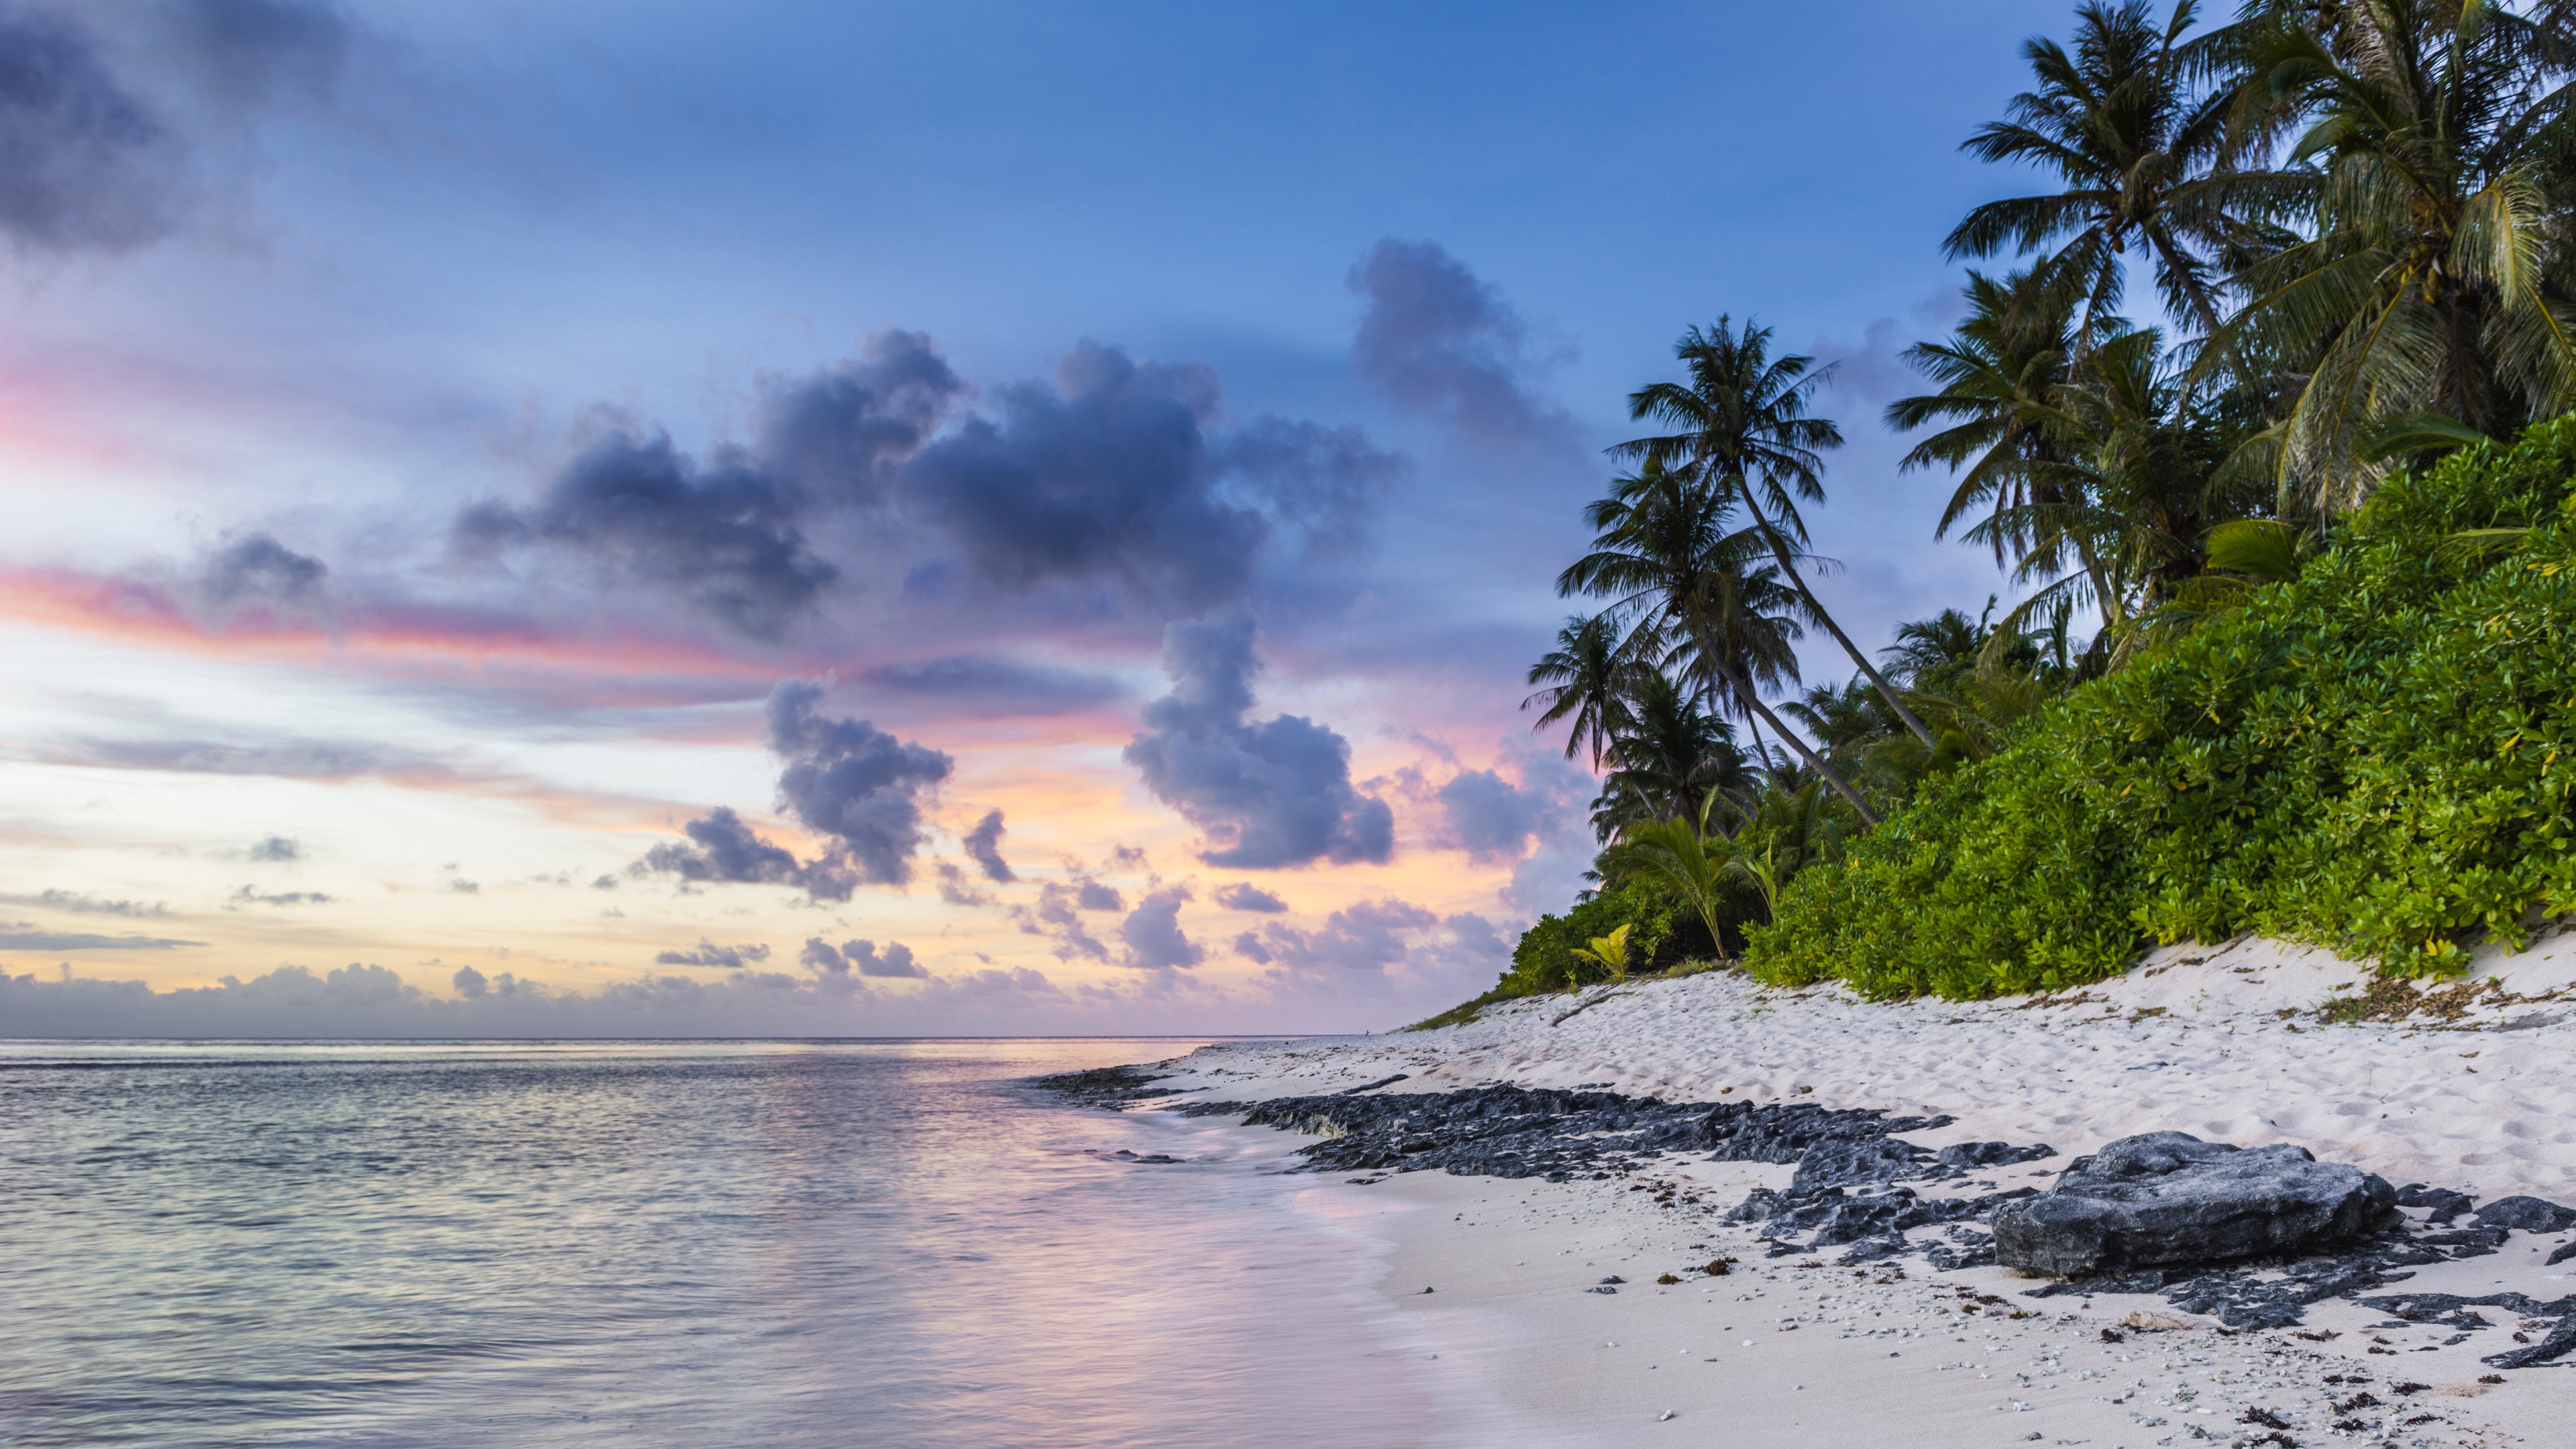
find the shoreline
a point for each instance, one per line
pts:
(2225, 1043)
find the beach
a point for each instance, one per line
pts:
(2468, 1092)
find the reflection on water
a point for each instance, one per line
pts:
(881, 1243)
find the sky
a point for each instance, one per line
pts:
(848, 519)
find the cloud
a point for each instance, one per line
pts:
(255, 566)
(955, 891)
(1364, 938)
(1324, 481)
(984, 846)
(25, 936)
(993, 687)
(723, 849)
(1155, 941)
(84, 165)
(853, 782)
(1091, 895)
(1104, 475)
(84, 905)
(1245, 896)
(1490, 818)
(1054, 916)
(708, 953)
(469, 983)
(1435, 339)
(253, 50)
(251, 896)
(1265, 795)
(838, 962)
(841, 433)
(275, 848)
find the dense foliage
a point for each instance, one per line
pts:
(2375, 758)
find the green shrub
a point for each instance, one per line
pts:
(2375, 758)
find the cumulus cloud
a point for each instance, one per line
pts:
(1367, 937)
(727, 533)
(1489, 817)
(27, 936)
(1265, 795)
(853, 782)
(1054, 916)
(708, 953)
(1322, 481)
(955, 891)
(860, 958)
(723, 849)
(275, 848)
(1105, 474)
(1155, 941)
(984, 847)
(256, 567)
(84, 163)
(1436, 339)
(469, 983)
(1245, 896)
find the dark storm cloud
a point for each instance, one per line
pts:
(725, 850)
(1435, 339)
(708, 953)
(1104, 475)
(826, 960)
(1367, 937)
(26, 936)
(83, 163)
(1245, 896)
(727, 533)
(984, 846)
(1490, 818)
(275, 848)
(853, 782)
(989, 685)
(256, 566)
(841, 432)
(1322, 481)
(1155, 941)
(1266, 795)
(724, 536)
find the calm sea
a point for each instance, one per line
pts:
(774, 1243)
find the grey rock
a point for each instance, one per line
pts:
(1965, 1155)
(2525, 1214)
(2443, 1203)
(2169, 1198)
(2560, 1340)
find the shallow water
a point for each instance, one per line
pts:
(880, 1243)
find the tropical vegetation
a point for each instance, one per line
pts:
(2292, 646)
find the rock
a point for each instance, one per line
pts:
(2445, 1204)
(1964, 1155)
(2525, 1215)
(1849, 1163)
(2562, 1254)
(2168, 1198)
(1605, 1288)
(1614, 1278)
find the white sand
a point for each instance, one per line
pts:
(2195, 1040)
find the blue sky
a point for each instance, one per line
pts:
(1315, 317)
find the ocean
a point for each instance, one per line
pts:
(882, 1243)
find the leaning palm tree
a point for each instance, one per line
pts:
(1587, 680)
(2434, 132)
(1745, 429)
(1665, 558)
(2142, 156)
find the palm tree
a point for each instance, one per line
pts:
(1746, 430)
(1587, 681)
(2142, 159)
(1664, 557)
(1672, 758)
(2434, 132)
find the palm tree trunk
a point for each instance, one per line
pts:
(1780, 550)
(1753, 703)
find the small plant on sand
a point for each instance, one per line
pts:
(1610, 953)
